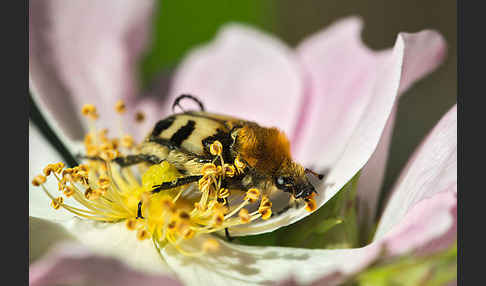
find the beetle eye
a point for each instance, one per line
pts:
(283, 182)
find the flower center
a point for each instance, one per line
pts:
(107, 192)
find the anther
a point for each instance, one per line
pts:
(184, 215)
(139, 117)
(244, 216)
(57, 168)
(252, 195)
(223, 193)
(229, 170)
(265, 203)
(89, 111)
(68, 191)
(104, 182)
(56, 203)
(38, 180)
(120, 107)
(48, 170)
(216, 148)
(127, 141)
(142, 234)
(265, 212)
(131, 224)
(240, 165)
(91, 194)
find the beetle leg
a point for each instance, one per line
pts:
(128, 160)
(227, 234)
(176, 183)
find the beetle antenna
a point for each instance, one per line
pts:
(182, 96)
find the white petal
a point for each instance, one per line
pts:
(360, 146)
(109, 239)
(246, 265)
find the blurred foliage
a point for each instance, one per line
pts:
(430, 270)
(181, 25)
(334, 225)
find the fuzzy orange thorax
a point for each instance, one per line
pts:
(263, 148)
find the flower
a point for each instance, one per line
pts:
(331, 94)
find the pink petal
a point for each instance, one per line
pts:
(72, 264)
(342, 75)
(345, 118)
(427, 52)
(432, 169)
(244, 73)
(85, 52)
(440, 230)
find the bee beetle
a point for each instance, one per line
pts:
(260, 155)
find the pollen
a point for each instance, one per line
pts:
(131, 224)
(127, 141)
(252, 195)
(103, 191)
(244, 216)
(139, 117)
(38, 180)
(89, 111)
(216, 148)
(120, 107)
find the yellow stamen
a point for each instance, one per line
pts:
(216, 148)
(109, 193)
(120, 107)
(38, 180)
(244, 216)
(139, 117)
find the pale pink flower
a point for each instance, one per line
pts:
(334, 97)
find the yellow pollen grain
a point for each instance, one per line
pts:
(265, 212)
(104, 182)
(120, 107)
(56, 203)
(229, 170)
(216, 148)
(91, 194)
(240, 166)
(189, 234)
(89, 111)
(58, 167)
(142, 234)
(252, 195)
(139, 117)
(48, 170)
(38, 180)
(210, 245)
(127, 141)
(183, 215)
(68, 191)
(131, 224)
(265, 203)
(223, 193)
(244, 216)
